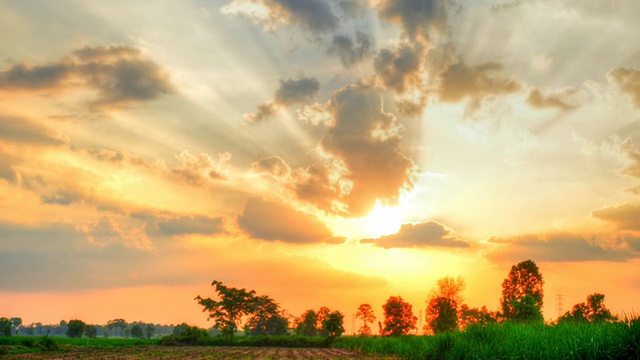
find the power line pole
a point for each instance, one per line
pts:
(559, 309)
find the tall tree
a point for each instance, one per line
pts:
(137, 332)
(398, 317)
(365, 313)
(149, 330)
(90, 331)
(474, 316)
(522, 293)
(75, 328)
(323, 314)
(442, 305)
(228, 311)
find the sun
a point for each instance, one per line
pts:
(382, 220)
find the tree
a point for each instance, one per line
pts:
(593, 310)
(474, 316)
(522, 293)
(398, 317)
(332, 325)
(75, 328)
(90, 331)
(149, 330)
(118, 324)
(266, 318)
(228, 311)
(442, 315)
(442, 306)
(16, 324)
(365, 313)
(136, 332)
(323, 314)
(307, 324)
(5, 327)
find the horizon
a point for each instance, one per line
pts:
(322, 152)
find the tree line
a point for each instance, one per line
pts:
(235, 310)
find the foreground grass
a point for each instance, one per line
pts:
(35, 344)
(511, 341)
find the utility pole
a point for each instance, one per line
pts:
(559, 305)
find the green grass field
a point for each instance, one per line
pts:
(500, 341)
(511, 341)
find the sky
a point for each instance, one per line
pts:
(322, 152)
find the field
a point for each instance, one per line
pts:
(199, 353)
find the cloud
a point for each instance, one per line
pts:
(272, 165)
(188, 225)
(539, 101)
(120, 74)
(427, 234)
(269, 220)
(628, 80)
(632, 153)
(399, 70)
(351, 51)
(290, 92)
(199, 170)
(364, 145)
(625, 216)
(317, 185)
(459, 82)
(18, 130)
(109, 231)
(558, 247)
(416, 17)
(313, 15)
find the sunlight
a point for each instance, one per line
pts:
(382, 221)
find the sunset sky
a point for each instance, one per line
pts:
(323, 152)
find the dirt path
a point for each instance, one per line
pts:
(200, 353)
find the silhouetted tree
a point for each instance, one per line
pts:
(149, 330)
(16, 324)
(365, 313)
(118, 324)
(5, 327)
(593, 310)
(75, 328)
(332, 325)
(307, 324)
(522, 293)
(398, 317)
(136, 332)
(266, 318)
(90, 331)
(228, 311)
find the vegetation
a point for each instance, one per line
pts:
(588, 331)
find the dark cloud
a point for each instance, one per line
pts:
(625, 216)
(461, 82)
(400, 70)
(554, 248)
(417, 17)
(628, 80)
(119, 73)
(537, 100)
(273, 165)
(365, 141)
(18, 130)
(290, 92)
(313, 15)
(351, 51)
(6, 168)
(60, 199)
(315, 185)
(427, 234)
(269, 220)
(352, 8)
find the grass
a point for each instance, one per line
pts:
(511, 341)
(34, 344)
